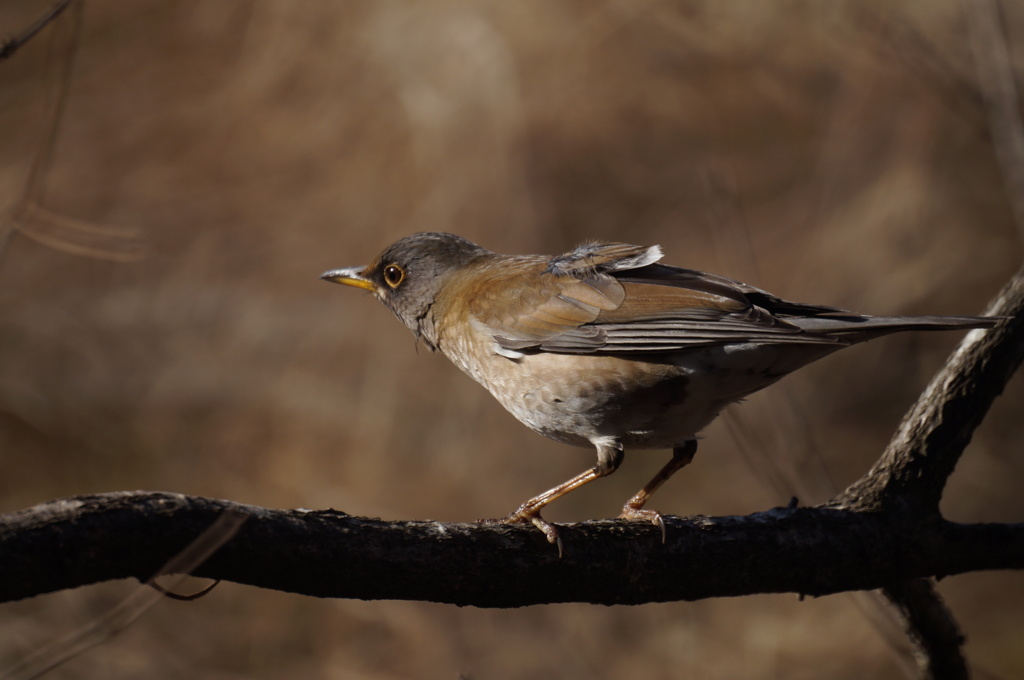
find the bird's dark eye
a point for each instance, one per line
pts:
(394, 275)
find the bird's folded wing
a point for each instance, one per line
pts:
(529, 311)
(606, 314)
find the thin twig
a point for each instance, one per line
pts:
(131, 608)
(12, 45)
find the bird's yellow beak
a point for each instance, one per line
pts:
(351, 276)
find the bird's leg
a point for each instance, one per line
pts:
(634, 507)
(609, 457)
(530, 510)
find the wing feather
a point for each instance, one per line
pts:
(615, 298)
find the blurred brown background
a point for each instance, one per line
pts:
(162, 326)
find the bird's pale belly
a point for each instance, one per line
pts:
(642, 404)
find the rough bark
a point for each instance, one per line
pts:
(812, 551)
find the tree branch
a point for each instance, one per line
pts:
(912, 472)
(814, 551)
(931, 628)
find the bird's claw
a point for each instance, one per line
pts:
(652, 516)
(522, 516)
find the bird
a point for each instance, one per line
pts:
(606, 347)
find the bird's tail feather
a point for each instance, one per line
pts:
(856, 329)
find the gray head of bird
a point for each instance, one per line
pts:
(408, 275)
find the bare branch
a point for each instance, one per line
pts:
(813, 551)
(911, 474)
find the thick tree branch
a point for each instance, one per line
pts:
(911, 474)
(815, 551)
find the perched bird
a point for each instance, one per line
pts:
(603, 346)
